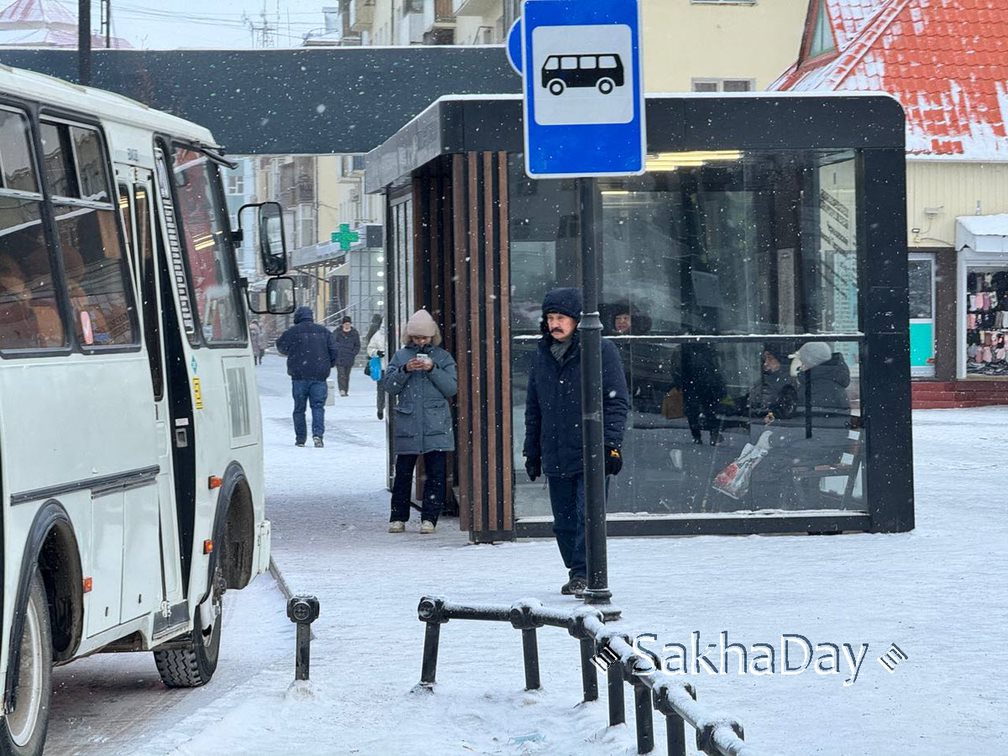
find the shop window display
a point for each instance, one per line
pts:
(987, 322)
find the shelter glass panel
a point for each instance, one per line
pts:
(730, 288)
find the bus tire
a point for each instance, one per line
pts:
(556, 87)
(23, 731)
(195, 662)
(605, 86)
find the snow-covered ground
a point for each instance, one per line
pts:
(939, 593)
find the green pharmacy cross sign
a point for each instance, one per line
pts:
(344, 237)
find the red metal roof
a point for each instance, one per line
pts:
(43, 12)
(45, 23)
(946, 61)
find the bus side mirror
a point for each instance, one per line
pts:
(271, 239)
(279, 296)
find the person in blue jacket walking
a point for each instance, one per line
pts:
(553, 424)
(311, 354)
(420, 380)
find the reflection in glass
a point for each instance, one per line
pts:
(715, 275)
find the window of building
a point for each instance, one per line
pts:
(822, 36)
(236, 182)
(724, 85)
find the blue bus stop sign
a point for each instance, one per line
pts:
(583, 92)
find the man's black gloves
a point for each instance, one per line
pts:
(533, 467)
(613, 461)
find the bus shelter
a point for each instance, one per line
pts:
(763, 227)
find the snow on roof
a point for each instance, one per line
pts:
(985, 225)
(43, 12)
(982, 233)
(944, 60)
(52, 38)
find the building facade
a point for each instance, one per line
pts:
(945, 64)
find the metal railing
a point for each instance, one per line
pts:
(602, 647)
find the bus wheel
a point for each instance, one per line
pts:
(556, 87)
(23, 731)
(195, 662)
(605, 86)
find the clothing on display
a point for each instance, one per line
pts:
(987, 322)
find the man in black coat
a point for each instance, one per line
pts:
(347, 346)
(311, 354)
(553, 424)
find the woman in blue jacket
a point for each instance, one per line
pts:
(421, 378)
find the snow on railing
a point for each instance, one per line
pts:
(602, 647)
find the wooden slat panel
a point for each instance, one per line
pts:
(504, 305)
(476, 331)
(488, 255)
(463, 443)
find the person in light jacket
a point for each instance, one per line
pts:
(420, 379)
(376, 348)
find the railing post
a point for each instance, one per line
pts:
(642, 715)
(428, 669)
(430, 611)
(617, 706)
(530, 653)
(589, 680)
(675, 725)
(521, 616)
(705, 737)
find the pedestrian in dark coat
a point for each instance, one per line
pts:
(311, 353)
(420, 379)
(703, 389)
(347, 346)
(553, 424)
(817, 434)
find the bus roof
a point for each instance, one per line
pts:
(37, 87)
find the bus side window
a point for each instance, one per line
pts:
(86, 223)
(29, 311)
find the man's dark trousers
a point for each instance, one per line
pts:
(433, 489)
(309, 393)
(567, 498)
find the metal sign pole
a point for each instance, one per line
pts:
(84, 42)
(593, 453)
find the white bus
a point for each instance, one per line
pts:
(131, 474)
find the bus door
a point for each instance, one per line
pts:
(136, 198)
(210, 375)
(179, 327)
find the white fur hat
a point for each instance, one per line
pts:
(813, 353)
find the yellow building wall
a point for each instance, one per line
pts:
(940, 190)
(684, 40)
